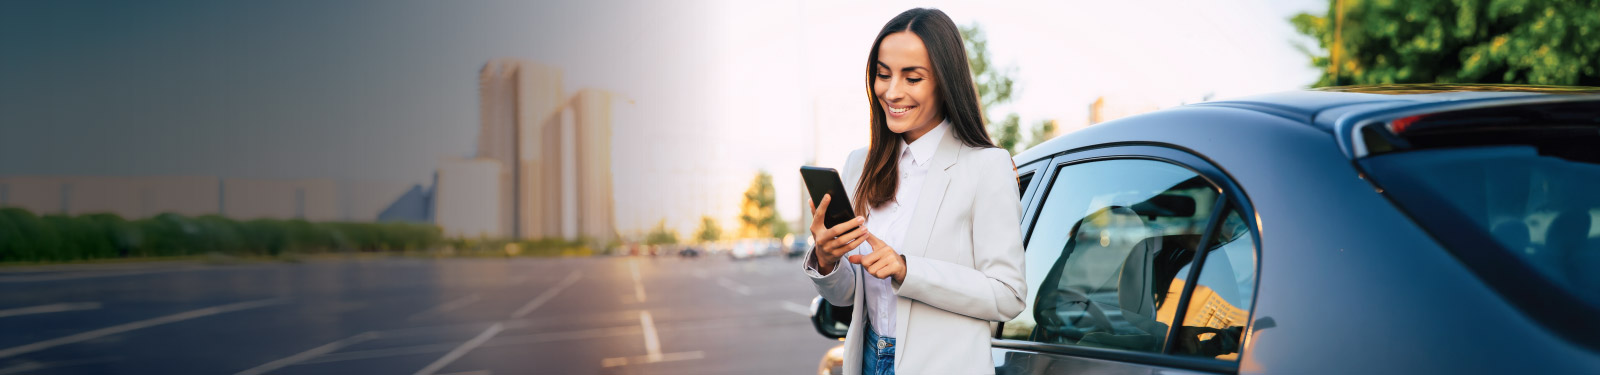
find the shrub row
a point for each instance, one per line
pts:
(25, 237)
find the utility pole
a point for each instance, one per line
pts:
(1338, 36)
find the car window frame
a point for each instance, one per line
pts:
(1036, 170)
(1230, 197)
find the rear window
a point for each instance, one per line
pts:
(1513, 192)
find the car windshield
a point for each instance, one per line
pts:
(1531, 189)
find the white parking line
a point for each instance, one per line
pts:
(669, 357)
(547, 295)
(796, 308)
(309, 354)
(733, 285)
(638, 287)
(461, 350)
(652, 342)
(447, 307)
(57, 307)
(498, 341)
(147, 323)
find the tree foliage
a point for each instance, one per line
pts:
(709, 230)
(995, 85)
(758, 216)
(1549, 42)
(661, 235)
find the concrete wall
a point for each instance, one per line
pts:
(467, 199)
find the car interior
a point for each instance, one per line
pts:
(1119, 269)
(1525, 174)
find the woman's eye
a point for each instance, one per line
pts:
(914, 80)
(883, 76)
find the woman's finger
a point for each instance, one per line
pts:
(830, 248)
(838, 230)
(820, 210)
(852, 237)
(837, 248)
(876, 243)
(894, 268)
(872, 259)
(880, 268)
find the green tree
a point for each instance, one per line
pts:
(1041, 133)
(995, 86)
(661, 235)
(1549, 42)
(758, 216)
(709, 230)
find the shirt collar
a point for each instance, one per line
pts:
(922, 150)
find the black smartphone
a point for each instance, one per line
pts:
(821, 181)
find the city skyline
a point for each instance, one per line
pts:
(549, 154)
(384, 92)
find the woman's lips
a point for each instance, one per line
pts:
(897, 112)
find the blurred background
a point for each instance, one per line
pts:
(559, 186)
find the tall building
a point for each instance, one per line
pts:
(553, 153)
(591, 180)
(520, 105)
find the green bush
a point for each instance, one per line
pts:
(25, 237)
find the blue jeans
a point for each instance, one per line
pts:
(877, 354)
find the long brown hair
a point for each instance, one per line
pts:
(958, 99)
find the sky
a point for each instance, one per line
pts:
(716, 89)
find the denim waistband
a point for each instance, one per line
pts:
(882, 346)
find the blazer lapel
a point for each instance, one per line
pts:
(933, 188)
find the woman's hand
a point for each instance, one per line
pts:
(833, 243)
(883, 261)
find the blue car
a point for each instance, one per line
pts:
(1350, 230)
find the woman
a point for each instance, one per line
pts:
(940, 253)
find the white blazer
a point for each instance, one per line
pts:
(963, 264)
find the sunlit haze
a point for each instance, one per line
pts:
(381, 92)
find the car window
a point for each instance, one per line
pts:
(1219, 307)
(1105, 255)
(1022, 184)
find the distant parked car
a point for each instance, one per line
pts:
(1354, 230)
(689, 252)
(773, 247)
(799, 247)
(744, 249)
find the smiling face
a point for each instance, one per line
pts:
(904, 85)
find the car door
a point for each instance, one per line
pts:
(1115, 261)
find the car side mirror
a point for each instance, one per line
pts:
(831, 321)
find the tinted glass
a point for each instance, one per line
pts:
(1022, 184)
(1105, 253)
(1538, 203)
(1219, 307)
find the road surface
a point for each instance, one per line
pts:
(606, 315)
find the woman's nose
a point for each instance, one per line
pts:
(894, 92)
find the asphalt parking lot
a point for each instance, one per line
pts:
(604, 315)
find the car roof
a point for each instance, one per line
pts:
(1339, 111)
(1305, 105)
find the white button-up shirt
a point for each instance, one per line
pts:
(890, 221)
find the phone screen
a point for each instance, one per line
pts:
(820, 181)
